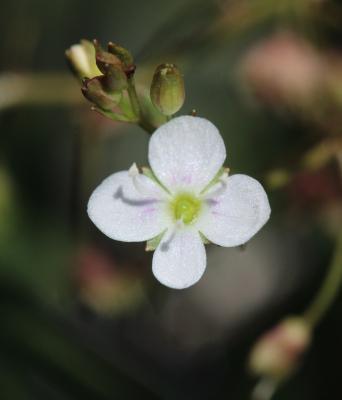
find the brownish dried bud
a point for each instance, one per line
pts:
(122, 54)
(113, 69)
(105, 60)
(94, 91)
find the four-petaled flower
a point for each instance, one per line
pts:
(186, 199)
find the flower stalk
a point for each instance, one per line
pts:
(143, 122)
(332, 282)
(133, 96)
(329, 289)
(268, 385)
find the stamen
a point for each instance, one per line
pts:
(166, 245)
(217, 189)
(138, 183)
(133, 171)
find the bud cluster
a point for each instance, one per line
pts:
(107, 78)
(278, 351)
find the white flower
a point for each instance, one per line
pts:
(187, 198)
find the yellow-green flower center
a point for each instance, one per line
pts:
(185, 207)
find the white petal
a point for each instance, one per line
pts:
(186, 153)
(237, 213)
(123, 213)
(180, 259)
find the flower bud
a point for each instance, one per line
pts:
(104, 285)
(115, 80)
(167, 89)
(104, 59)
(93, 90)
(278, 351)
(122, 54)
(113, 69)
(81, 58)
(284, 69)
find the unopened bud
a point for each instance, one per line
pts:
(277, 352)
(122, 54)
(104, 285)
(93, 90)
(115, 80)
(113, 69)
(284, 69)
(81, 58)
(104, 59)
(167, 89)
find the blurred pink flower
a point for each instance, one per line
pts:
(284, 68)
(103, 284)
(278, 351)
(316, 188)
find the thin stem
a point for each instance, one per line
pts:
(147, 126)
(332, 282)
(133, 96)
(329, 289)
(326, 295)
(143, 122)
(321, 303)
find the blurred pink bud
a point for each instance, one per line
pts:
(284, 68)
(278, 351)
(316, 188)
(103, 284)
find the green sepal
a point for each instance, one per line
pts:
(114, 106)
(149, 173)
(112, 115)
(149, 111)
(125, 107)
(204, 239)
(216, 178)
(153, 243)
(93, 90)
